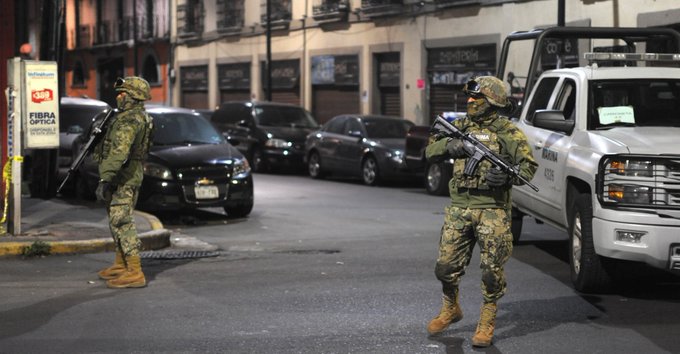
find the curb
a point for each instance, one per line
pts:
(158, 237)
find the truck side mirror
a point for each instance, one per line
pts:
(514, 108)
(553, 120)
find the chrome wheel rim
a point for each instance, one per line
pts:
(369, 171)
(314, 165)
(434, 176)
(576, 244)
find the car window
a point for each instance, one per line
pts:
(541, 96)
(183, 128)
(642, 102)
(387, 128)
(77, 118)
(335, 125)
(352, 125)
(230, 114)
(278, 116)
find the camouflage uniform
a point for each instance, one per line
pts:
(120, 156)
(479, 213)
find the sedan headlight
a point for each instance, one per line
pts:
(241, 168)
(278, 144)
(157, 171)
(396, 155)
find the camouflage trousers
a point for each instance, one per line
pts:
(490, 229)
(121, 219)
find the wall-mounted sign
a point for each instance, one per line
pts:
(194, 78)
(41, 117)
(285, 73)
(341, 70)
(457, 65)
(234, 76)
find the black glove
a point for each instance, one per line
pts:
(496, 178)
(104, 191)
(456, 148)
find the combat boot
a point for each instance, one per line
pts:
(115, 270)
(132, 277)
(450, 313)
(485, 326)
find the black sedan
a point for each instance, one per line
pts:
(190, 165)
(366, 146)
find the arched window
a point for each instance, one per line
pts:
(150, 69)
(78, 74)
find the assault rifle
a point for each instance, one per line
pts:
(477, 151)
(98, 131)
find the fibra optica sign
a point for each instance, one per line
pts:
(41, 118)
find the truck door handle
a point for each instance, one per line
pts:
(538, 145)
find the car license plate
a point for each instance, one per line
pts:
(206, 192)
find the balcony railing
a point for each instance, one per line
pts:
(330, 10)
(190, 19)
(440, 4)
(378, 8)
(281, 13)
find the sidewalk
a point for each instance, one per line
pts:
(74, 226)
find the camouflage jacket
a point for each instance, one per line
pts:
(122, 151)
(499, 135)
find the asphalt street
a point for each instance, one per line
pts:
(325, 267)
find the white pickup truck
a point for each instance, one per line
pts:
(607, 141)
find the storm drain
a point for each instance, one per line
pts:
(178, 254)
(310, 251)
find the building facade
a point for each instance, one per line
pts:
(408, 58)
(107, 39)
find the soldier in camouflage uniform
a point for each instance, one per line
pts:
(480, 210)
(120, 156)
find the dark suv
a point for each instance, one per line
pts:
(269, 134)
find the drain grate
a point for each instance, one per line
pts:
(310, 251)
(178, 254)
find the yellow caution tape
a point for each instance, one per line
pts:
(6, 179)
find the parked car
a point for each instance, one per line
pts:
(366, 146)
(76, 114)
(190, 165)
(436, 174)
(269, 134)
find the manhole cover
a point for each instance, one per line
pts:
(178, 254)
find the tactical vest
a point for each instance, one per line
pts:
(488, 135)
(140, 149)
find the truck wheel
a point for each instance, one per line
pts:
(516, 225)
(587, 268)
(437, 178)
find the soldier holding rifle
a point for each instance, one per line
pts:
(480, 210)
(120, 155)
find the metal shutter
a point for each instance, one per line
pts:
(390, 101)
(330, 101)
(446, 98)
(195, 99)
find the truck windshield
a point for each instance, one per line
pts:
(648, 102)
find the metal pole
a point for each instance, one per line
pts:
(269, 50)
(560, 13)
(134, 36)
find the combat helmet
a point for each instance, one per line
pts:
(134, 86)
(491, 87)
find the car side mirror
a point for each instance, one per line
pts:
(75, 129)
(243, 124)
(230, 140)
(356, 134)
(553, 120)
